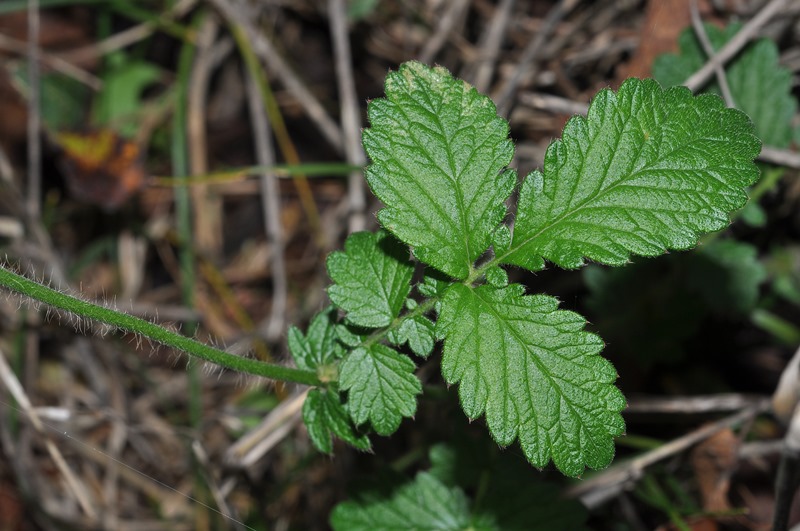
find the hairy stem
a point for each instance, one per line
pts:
(129, 323)
(423, 307)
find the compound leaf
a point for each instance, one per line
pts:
(648, 170)
(371, 278)
(424, 504)
(438, 150)
(324, 416)
(535, 372)
(319, 347)
(381, 387)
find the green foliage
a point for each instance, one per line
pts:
(507, 498)
(121, 98)
(424, 504)
(648, 170)
(373, 295)
(437, 499)
(325, 416)
(759, 85)
(382, 387)
(535, 373)
(437, 150)
(319, 347)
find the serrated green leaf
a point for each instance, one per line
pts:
(759, 85)
(438, 150)
(433, 283)
(424, 504)
(418, 332)
(648, 170)
(501, 240)
(497, 277)
(381, 387)
(319, 346)
(371, 278)
(535, 372)
(324, 416)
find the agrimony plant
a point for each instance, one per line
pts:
(648, 170)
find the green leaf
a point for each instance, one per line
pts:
(381, 387)
(648, 170)
(433, 283)
(324, 416)
(424, 504)
(418, 332)
(121, 97)
(438, 150)
(535, 372)
(759, 85)
(371, 278)
(319, 348)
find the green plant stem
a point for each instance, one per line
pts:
(141, 327)
(423, 307)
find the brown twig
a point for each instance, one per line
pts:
(692, 404)
(207, 206)
(57, 63)
(607, 484)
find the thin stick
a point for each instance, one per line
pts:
(350, 115)
(748, 31)
(691, 405)
(206, 205)
(708, 48)
(781, 157)
(34, 189)
(597, 490)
